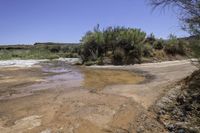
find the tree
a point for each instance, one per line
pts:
(189, 12)
(121, 44)
(151, 38)
(189, 15)
(174, 46)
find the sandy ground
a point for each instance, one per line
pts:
(159, 75)
(32, 103)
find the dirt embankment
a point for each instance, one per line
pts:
(61, 107)
(179, 109)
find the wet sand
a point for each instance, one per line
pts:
(59, 98)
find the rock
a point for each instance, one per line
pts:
(107, 61)
(166, 100)
(188, 107)
(171, 127)
(181, 131)
(181, 99)
(182, 110)
(195, 96)
(193, 130)
(180, 125)
(161, 105)
(140, 129)
(180, 114)
(72, 61)
(198, 108)
(161, 112)
(46, 131)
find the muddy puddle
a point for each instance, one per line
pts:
(69, 76)
(59, 75)
(54, 96)
(100, 78)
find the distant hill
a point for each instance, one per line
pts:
(53, 43)
(24, 46)
(190, 38)
(8, 47)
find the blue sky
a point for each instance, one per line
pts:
(29, 21)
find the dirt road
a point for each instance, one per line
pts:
(35, 100)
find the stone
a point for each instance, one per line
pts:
(181, 131)
(193, 130)
(170, 127)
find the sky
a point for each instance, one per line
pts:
(30, 21)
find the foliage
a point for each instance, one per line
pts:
(98, 43)
(195, 46)
(92, 45)
(189, 12)
(147, 50)
(112, 45)
(158, 44)
(151, 39)
(174, 46)
(118, 56)
(38, 52)
(189, 15)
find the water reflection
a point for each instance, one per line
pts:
(99, 78)
(66, 76)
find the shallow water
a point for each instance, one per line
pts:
(74, 76)
(100, 78)
(61, 75)
(54, 95)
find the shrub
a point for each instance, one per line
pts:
(92, 45)
(147, 50)
(195, 47)
(100, 61)
(158, 44)
(175, 46)
(54, 48)
(151, 39)
(124, 44)
(89, 63)
(51, 57)
(65, 49)
(118, 56)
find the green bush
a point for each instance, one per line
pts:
(54, 48)
(118, 56)
(100, 61)
(65, 49)
(89, 63)
(175, 46)
(98, 43)
(158, 44)
(151, 39)
(51, 57)
(147, 50)
(194, 45)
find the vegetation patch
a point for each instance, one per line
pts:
(40, 51)
(128, 46)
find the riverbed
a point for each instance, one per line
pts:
(55, 96)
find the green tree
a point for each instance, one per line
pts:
(189, 12)
(189, 15)
(120, 41)
(93, 43)
(174, 46)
